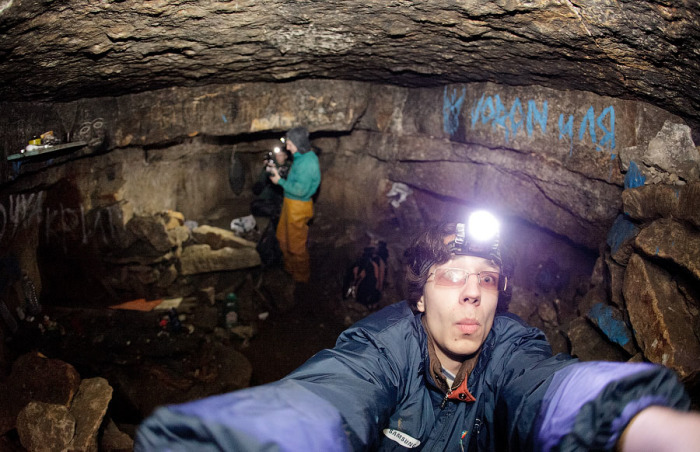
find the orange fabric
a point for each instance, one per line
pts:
(292, 234)
(139, 304)
(462, 393)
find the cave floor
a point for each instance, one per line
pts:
(320, 313)
(149, 365)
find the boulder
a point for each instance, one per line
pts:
(611, 322)
(653, 201)
(89, 408)
(36, 378)
(589, 345)
(45, 427)
(673, 150)
(218, 238)
(202, 259)
(669, 239)
(661, 321)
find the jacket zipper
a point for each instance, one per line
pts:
(444, 401)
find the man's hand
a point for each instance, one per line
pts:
(659, 428)
(274, 175)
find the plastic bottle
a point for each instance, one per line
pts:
(231, 310)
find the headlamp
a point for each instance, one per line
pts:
(276, 150)
(478, 237)
(283, 140)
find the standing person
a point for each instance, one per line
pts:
(446, 370)
(268, 195)
(297, 207)
(268, 203)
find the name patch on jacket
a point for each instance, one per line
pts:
(401, 438)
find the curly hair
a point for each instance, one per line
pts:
(431, 248)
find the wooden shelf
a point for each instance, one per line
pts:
(43, 150)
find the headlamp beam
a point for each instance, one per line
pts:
(479, 236)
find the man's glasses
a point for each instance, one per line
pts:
(457, 277)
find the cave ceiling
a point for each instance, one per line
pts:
(64, 50)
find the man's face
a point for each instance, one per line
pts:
(291, 147)
(280, 157)
(459, 317)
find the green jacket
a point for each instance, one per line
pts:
(304, 177)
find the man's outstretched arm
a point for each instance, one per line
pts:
(660, 428)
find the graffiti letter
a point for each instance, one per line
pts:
(500, 118)
(99, 223)
(82, 223)
(492, 110)
(477, 110)
(566, 129)
(590, 119)
(608, 134)
(71, 220)
(451, 107)
(517, 107)
(541, 118)
(48, 219)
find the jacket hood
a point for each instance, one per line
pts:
(300, 137)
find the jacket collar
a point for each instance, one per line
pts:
(458, 391)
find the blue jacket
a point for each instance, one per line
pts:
(374, 391)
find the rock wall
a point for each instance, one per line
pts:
(560, 166)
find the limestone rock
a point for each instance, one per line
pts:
(202, 259)
(218, 238)
(178, 234)
(36, 378)
(557, 340)
(593, 205)
(588, 345)
(673, 151)
(172, 219)
(617, 278)
(151, 230)
(653, 201)
(659, 316)
(611, 322)
(668, 239)
(114, 440)
(567, 310)
(45, 427)
(611, 50)
(89, 408)
(166, 275)
(599, 274)
(548, 314)
(597, 294)
(523, 303)
(620, 239)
